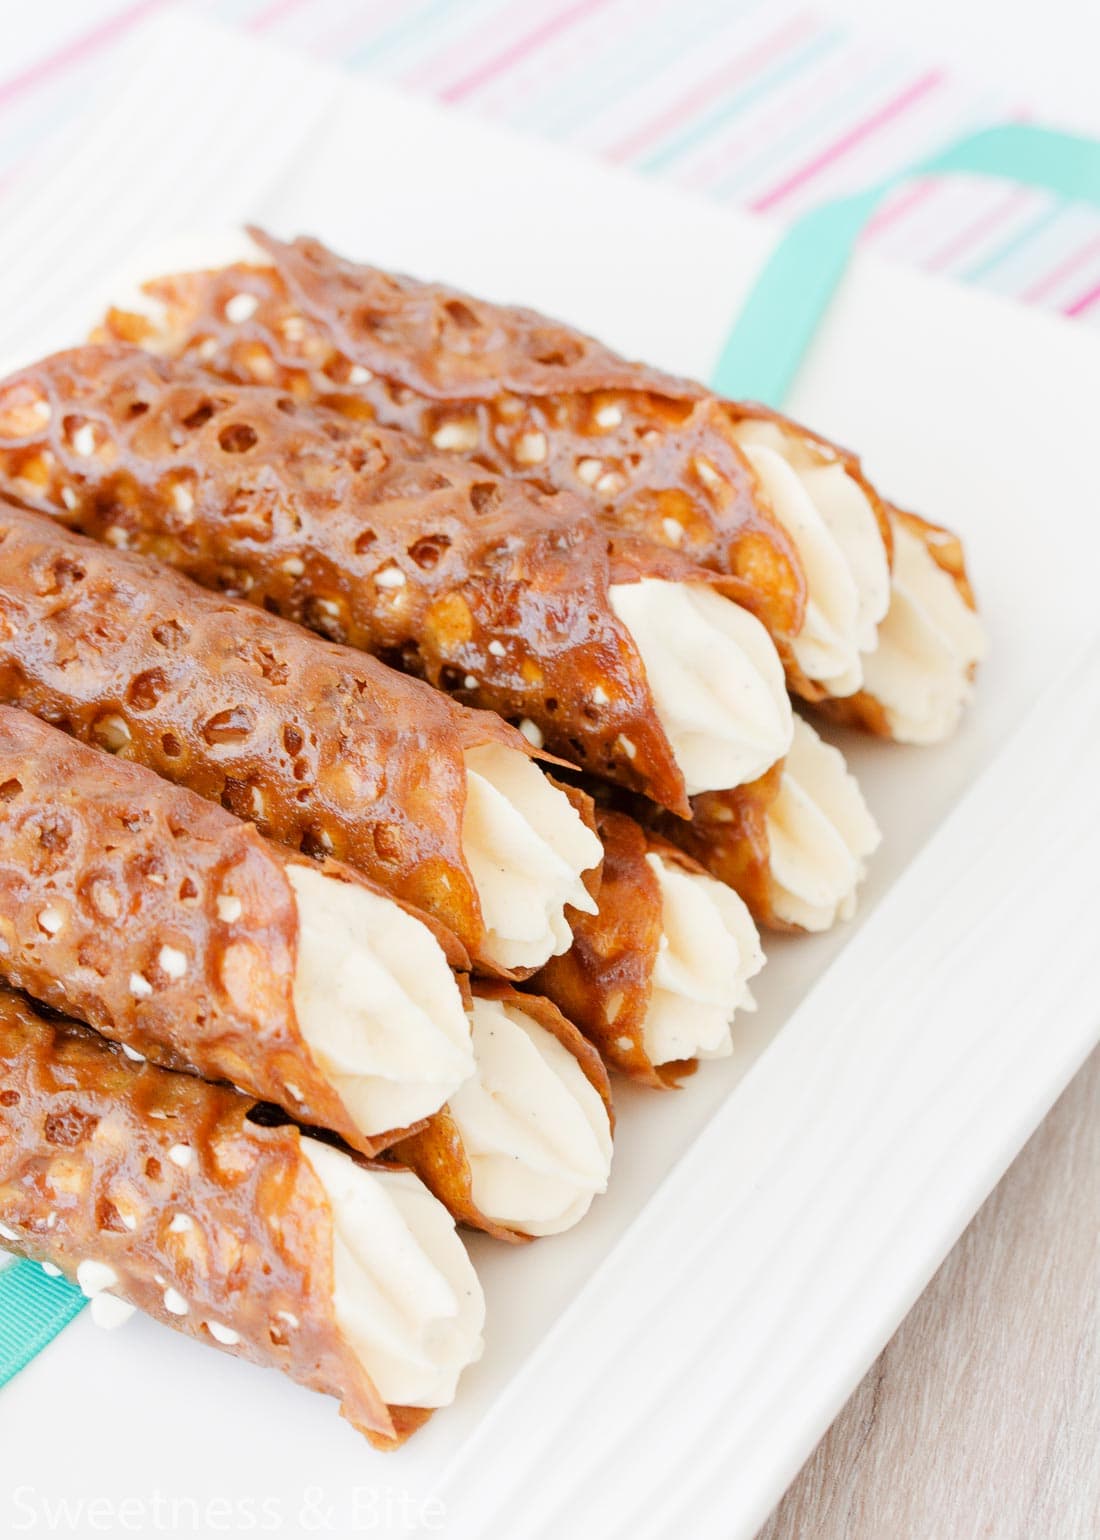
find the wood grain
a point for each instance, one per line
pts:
(982, 1415)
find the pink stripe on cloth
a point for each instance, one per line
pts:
(1084, 302)
(848, 141)
(516, 51)
(898, 208)
(467, 51)
(769, 121)
(272, 14)
(72, 53)
(1057, 274)
(1005, 208)
(730, 75)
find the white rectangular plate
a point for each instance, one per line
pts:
(670, 1363)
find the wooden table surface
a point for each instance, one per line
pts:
(982, 1416)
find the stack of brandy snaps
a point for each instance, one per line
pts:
(396, 733)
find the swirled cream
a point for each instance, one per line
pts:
(535, 1130)
(928, 647)
(831, 521)
(405, 1294)
(527, 848)
(821, 834)
(715, 677)
(708, 952)
(377, 1003)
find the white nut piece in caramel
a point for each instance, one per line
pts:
(108, 1312)
(94, 1277)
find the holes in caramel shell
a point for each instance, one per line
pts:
(95, 955)
(427, 551)
(9, 1098)
(364, 540)
(406, 659)
(375, 323)
(411, 481)
(234, 725)
(555, 352)
(169, 633)
(242, 798)
(54, 834)
(188, 891)
(323, 616)
(107, 1216)
(388, 840)
(199, 416)
(171, 746)
(292, 740)
(146, 689)
(334, 430)
(153, 1169)
(10, 789)
(461, 315)
(69, 1127)
(316, 842)
(252, 512)
(485, 496)
(238, 438)
(365, 458)
(56, 575)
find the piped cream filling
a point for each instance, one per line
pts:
(535, 1130)
(832, 523)
(928, 646)
(709, 949)
(377, 1003)
(821, 834)
(715, 677)
(527, 848)
(405, 1294)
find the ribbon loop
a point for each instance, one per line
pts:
(33, 1309)
(786, 305)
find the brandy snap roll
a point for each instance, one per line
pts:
(161, 1192)
(524, 1145)
(178, 931)
(920, 677)
(793, 845)
(655, 978)
(784, 513)
(322, 747)
(621, 656)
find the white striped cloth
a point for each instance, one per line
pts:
(759, 103)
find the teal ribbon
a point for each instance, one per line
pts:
(780, 318)
(33, 1309)
(759, 361)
